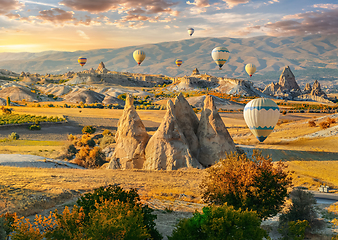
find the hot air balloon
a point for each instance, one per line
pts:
(139, 56)
(250, 69)
(178, 62)
(82, 61)
(220, 56)
(191, 31)
(261, 115)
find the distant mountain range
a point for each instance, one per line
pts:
(309, 57)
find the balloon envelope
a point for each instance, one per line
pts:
(250, 69)
(178, 62)
(139, 56)
(220, 55)
(82, 61)
(191, 31)
(261, 115)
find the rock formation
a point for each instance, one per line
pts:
(101, 66)
(316, 90)
(307, 88)
(187, 122)
(131, 139)
(168, 149)
(214, 138)
(195, 72)
(286, 87)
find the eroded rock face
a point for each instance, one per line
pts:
(214, 138)
(101, 66)
(131, 139)
(187, 122)
(307, 88)
(316, 90)
(168, 148)
(287, 80)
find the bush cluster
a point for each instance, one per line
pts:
(88, 129)
(222, 222)
(34, 127)
(13, 136)
(25, 118)
(107, 213)
(255, 184)
(312, 123)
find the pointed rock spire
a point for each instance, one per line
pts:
(131, 138)
(168, 148)
(188, 122)
(214, 138)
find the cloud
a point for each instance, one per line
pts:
(326, 6)
(56, 16)
(12, 16)
(8, 5)
(82, 34)
(232, 3)
(199, 3)
(324, 22)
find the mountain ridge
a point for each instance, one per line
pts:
(304, 54)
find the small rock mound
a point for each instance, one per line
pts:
(316, 90)
(85, 96)
(18, 93)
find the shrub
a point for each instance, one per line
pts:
(14, 136)
(312, 123)
(122, 96)
(68, 151)
(106, 132)
(255, 184)
(88, 129)
(86, 140)
(284, 112)
(294, 230)
(324, 125)
(6, 110)
(90, 158)
(113, 193)
(106, 141)
(222, 222)
(34, 127)
(331, 120)
(302, 208)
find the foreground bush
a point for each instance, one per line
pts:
(117, 214)
(113, 193)
(294, 230)
(220, 223)
(255, 184)
(302, 208)
(90, 157)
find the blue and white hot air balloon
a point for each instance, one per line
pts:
(261, 115)
(220, 56)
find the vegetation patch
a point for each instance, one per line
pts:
(26, 118)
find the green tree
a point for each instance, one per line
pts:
(256, 184)
(88, 129)
(8, 102)
(220, 223)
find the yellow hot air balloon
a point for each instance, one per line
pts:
(82, 60)
(261, 115)
(250, 69)
(220, 56)
(139, 56)
(178, 62)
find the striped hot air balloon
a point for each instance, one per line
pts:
(261, 116)
(220, 56)
(178, 62)
(82, 61)
(139, 56)
(250, 69)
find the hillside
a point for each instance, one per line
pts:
(310, 57)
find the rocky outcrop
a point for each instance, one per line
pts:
(214, 138)
(307, 88)
(168, 148)
(286, 87)
(195, 72)
(187, 122)
(316, 90)
(101, 66)
(131, 139)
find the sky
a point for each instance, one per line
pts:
(71, 25)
